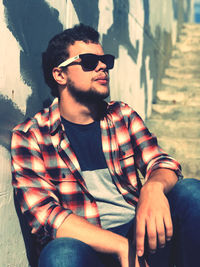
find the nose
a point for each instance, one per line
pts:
(101, 66)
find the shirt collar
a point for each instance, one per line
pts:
(54, 116)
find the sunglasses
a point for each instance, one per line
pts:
(90, 61)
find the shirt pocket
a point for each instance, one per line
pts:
(125, 152)
(58, 175)
(68, 187)
(126, 158)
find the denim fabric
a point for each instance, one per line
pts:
(184, 248)
(69, 252)
(181, 251)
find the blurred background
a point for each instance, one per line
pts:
(197, 11)
(156, 45)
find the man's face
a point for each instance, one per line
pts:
(84, 85)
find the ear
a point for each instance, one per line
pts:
(59, 75)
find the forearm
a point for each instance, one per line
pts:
(163, 179)
(101, 240)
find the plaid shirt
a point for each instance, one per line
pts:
(47, 176)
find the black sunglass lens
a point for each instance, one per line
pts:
(108, 60)
(89, 61)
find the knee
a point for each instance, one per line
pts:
(65, 252)
(187, 187)
(186, 193)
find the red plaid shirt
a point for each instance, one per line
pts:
(46, 173)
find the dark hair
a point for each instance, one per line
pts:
(57, 50)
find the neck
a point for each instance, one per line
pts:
(77, 112)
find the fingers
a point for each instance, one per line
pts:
(140, 235)
(153, 218)
(152, 234)
(159, 230)
(168, 227)
(164, 228)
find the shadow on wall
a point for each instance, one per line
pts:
(88, 13)
(182, 12)
(150, 49)
(158, 49)
(32, 23)
(10, 115)
(118, 34)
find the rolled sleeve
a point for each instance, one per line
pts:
(164, 162)
(148, 154)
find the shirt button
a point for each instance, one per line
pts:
(109, 123)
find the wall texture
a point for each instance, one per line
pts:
(139, 33)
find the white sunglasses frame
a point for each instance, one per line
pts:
(68, 61)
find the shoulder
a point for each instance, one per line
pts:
(45, 120)
(40, 119)
(121, 109)
(121, 113)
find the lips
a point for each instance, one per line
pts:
(102, 78)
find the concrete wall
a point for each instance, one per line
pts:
(139, 33)
(197, 11)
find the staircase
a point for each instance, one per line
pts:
(175, 118)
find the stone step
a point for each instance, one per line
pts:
(186, 155)
(185, 69)
(191, 30)
(187, 37)
(191, 26)
(177, 53)
(175, 112)
(173, 129)
(182, 74)
(184, 97)
(186, 90)
(188, 45)
(181, 147)
(190, 167)
(185, 61)
(189, 56)
(180, 83)
(175, 118)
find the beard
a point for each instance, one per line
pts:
(89, 97)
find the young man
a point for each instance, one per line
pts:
(75, 171)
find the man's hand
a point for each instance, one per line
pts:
(101, 240)
(153, 215)
(128, 257)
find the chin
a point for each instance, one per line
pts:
(102, 92)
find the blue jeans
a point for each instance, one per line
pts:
(184, 248)
(181, 251)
